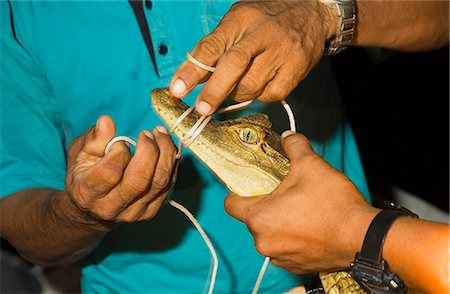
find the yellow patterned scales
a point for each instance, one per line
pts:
(247, 156)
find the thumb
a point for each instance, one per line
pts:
(295, 145)
(240, 207)
(99, 136)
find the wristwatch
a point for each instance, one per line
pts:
(369, 269)
(345, 10)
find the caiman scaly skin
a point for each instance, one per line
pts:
(247, 156)
(245, 168)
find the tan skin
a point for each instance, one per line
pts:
(100, 191)
(103, 190)
(316, 220)
(263, 49)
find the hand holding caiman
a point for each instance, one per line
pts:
(247, 156)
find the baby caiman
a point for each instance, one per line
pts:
(247, 156)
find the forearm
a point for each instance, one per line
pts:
(416, 250)
(47, 228)
(402, 25)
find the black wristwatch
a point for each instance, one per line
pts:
(369, 269)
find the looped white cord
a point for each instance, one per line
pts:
(199, 64)
(186, 212)
(290, 115)
(190, 136)
(262, 271)
(198, 127)
(117, 139)
(205, 238)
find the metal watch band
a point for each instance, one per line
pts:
(369, 269)
(345, 10)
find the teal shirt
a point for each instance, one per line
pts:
(64, 63)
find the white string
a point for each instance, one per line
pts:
(198, 127)
(205, 238)
(186, 212)
(117, 139)
(262, 271)
(199, 64)
(290, 115)
(187, 139)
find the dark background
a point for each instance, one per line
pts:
(399, 111)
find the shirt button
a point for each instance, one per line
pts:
(148, 4)
(162, 49)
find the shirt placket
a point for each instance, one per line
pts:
(163, 36)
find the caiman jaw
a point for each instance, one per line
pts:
(217, 150)
(166, 106)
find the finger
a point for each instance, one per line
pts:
(154, 205)
(240, 207)
(165, 166)
(186, 78)
(260, 72)
(207, 51)
(283, 83)
(141, 210)
(296, 145)
(107, 172)
(98, 137)
(93, 142)
(146, 205)
(137, 175)
(229, 70)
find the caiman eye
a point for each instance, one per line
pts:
(248, 135)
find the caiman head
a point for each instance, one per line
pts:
(244, 153)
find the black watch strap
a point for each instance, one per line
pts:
(372, 248)
(369, 269)
(314, 285)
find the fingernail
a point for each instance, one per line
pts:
(149, 135)
(203, 108)
(162, 129)
(178, 87)
(287, 134)
(97, 125)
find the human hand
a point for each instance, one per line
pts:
(261, 50)
(315, 220)
(117, 187)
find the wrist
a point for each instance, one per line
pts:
(331, 21)
(370, 269)
(66, 211)
(354, 231)
(345, 16)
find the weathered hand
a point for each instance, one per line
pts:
(117, 187)
(261, 50)
(315, 220)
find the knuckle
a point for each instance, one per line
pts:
(153, 149)
(250, 85)
(161, 179)
(263, 247)
(211, 45)
(110, 176)
(277, 92)
(245, 10)
(136, 184)
(236, 57)
(101, 180)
